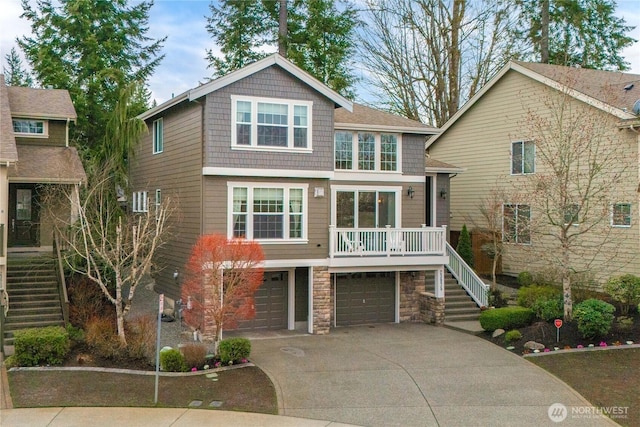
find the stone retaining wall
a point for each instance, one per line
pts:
(431, 308)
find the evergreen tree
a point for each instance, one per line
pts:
(91, 48)
(583, 33)
(464, 246)
(14, 72)
(319, 37)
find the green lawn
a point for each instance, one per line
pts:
(608, 378)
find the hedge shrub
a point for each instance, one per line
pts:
(528, 295)
(234, 350)
(464, 248)
(525, 278)
(594, 317)
(172, 360)
(626, 290)
(513, 335)
(41, 346)
(506, 318)
(549, 309)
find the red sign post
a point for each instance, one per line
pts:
(558, 323)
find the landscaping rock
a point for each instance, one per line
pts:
(532, 345)
(497, 333)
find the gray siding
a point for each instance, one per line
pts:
(177, 171)
(272, 82)
(442, 205)
(57, 135)
(216, 208)
(413, 154)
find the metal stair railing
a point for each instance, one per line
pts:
(467, 278)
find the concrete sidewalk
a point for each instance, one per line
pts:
(142, 417)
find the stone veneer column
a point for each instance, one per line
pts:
(411, 286)
(322, 305)
(210, 298)
(432, 308)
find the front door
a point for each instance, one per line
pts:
(24, 215)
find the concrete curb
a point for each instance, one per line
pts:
(129, 371)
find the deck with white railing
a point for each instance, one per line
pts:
(387, 242)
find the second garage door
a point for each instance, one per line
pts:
(363, 298)
(270, 302)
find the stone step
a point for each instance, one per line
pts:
(460, 317)
(19, 319)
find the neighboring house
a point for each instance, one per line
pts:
(491, 138)
(34, 155)
(335, 192)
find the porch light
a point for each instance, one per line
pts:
(443, 194)
(410, 191)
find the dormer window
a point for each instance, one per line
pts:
(31, 128)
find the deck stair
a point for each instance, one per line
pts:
(34, 299)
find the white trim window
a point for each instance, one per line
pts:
(158, 202)
(158, 136)
(367, 151)
(523, 157)
(621, 215)
(31, 128)
(271, 124)
(571, 214)
(140, 202)
(515, 223)
(268, 212)
(366, 206)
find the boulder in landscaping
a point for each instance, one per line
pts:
(497, 333)
(532, 345)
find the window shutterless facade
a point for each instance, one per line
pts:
(366, 207)
(366, 151)
(158, 202)
(523, 156)
(621, 215)
(31, 128)
(140, 202)
(515, 223)
(268, 212)
(271, 124)
(158, 136)
(572, 214)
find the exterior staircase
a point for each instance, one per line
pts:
(34, 298)
(459, 306)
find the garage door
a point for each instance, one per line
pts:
(270, 302)
(363, 298)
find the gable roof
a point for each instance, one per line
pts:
(275, 59)
(8, 150)
(50, 164)
(363, 117)
(34, 103)
(604, 90)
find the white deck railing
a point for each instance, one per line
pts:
(467, 278)
(350, 242)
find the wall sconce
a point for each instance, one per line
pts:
(175, 275)
(443, 194)
(410, 191)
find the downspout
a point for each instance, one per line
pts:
(66, 138)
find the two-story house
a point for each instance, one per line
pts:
(496, 137)
(336, 193)
(34, 155)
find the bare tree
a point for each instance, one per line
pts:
(581, 170)
(425, 58)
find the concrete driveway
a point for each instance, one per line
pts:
(412, 375)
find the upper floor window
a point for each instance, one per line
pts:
(24, 127)
(266, 212)
(366, 151)
(523, 157)
(571, 214)
(158, 203)
(158, 136)
(621, 215)
(515, 225)
(271, 124)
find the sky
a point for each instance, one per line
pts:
(183, 21)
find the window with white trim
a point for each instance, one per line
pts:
(158, 202)
(139, 202)
(572, 214)
(621, 215)
(366, 151)
(271, 124)
(25, 127)
(523, 155)
(268, 212)
(515, 223)
(158, 136)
